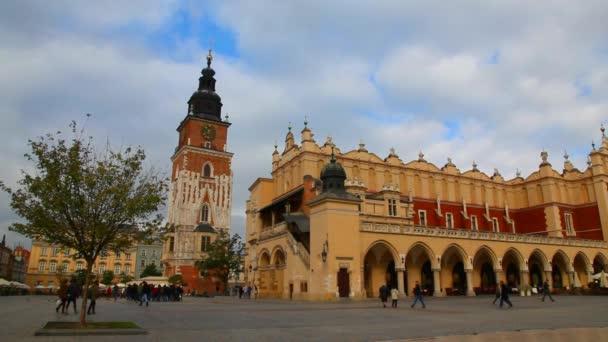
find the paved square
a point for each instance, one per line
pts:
(229, 319)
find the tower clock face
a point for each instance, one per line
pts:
(208, 132)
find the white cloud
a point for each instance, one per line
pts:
(414, 75)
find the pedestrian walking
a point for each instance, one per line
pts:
(115, 292)
(547, 291)
(418, 295)
(145, 294)
(504, 294)
(497, 294)
(72, 295)
(383, 295)
(62, 293)
(93, 293)
(394, 297)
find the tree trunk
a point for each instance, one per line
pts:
(85, 291)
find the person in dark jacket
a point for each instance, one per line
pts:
(145, 294)
(384, 291)
(418, 295)
(73, 294)
(504, 294)
(547, 291)
(92, 294)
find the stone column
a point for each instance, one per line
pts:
(470, 291)
(549, 277)
(571, 278)
(524, 280)
(498, 276)
(437, 285)
(400, 285)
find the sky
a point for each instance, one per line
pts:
(495, 82)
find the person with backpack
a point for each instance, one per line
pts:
(547, 291)
(504, 294)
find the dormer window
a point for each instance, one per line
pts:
(207, 170)
(495, 225)
(422, 217)
(392, 207)
(205, 213)
(449, 220)
(474, 223)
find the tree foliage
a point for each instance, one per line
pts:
(84, 199)
(175, 279)
(150, 271)
(223, 258)
(107, 277)
(125, 278)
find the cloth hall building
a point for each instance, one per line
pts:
(330, 224)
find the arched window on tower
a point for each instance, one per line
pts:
(207, 172)
(205, 213)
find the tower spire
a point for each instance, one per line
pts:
(209, 58)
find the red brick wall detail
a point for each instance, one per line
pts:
(584, 218)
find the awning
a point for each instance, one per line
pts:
(300, 220)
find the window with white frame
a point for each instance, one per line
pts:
(143, 253)
(117, 255)
(205, 241)
(569, 224)
(102, 268)
(41, 266)
(66, 252)
(117, 269)
(64, 266)
(53, 266)
(422, 217)
(449, 220)
(495, 226)
(43, 251)
(78, 266)
(128, 256)
(127, 269)
(474, 225)
(205, 213)
(392, 207)
(55, 251)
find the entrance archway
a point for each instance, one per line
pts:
(452, 271)
(581, 265)
(276, 273)
(419, 268)
(379, 269)
(512, 264)
(484, 276)
(560, 270)
(599, 263)
(536, 266)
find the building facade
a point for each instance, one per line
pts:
(6, 260)
(200, 195)
(21, 260)
(50, 263)
(148, 254)
(370, 221)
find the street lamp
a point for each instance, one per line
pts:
(324, 252)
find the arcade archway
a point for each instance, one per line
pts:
(453, 271)
(560, 271)
(379, 269)
(419, 268)
(512, 265)
(484, 276)
(536, 266)
(581, 266)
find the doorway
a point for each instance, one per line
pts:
(343, 283)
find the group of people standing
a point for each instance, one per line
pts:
(69, 293)
(245, 292)
(502, 293)
(386, 291)
(151, 292)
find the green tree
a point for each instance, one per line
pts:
(125, 278)
(81, 277)
(84, 199)
(175, 279)
(150, 271)
(107, 277)
(223, 258)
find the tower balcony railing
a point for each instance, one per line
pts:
(477, 235)
(277, 229)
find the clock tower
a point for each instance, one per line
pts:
(200, 195)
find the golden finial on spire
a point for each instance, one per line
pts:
(209, 58)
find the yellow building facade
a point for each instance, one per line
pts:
(370, 221)
(50, 263)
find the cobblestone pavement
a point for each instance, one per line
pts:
(230, 319)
